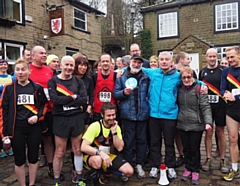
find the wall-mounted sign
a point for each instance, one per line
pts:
(56, 18)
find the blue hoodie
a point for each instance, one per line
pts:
(162, 93)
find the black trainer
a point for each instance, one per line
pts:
(179, 161)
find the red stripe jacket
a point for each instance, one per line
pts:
(9, 104)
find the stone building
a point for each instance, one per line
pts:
(193, 26)
(26, 23)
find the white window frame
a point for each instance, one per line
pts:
(221, 52)
(168, 24)
(1, 51)
(225, 18)
(85, 21)
(21, 47)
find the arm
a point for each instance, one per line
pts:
(206, 111)
(42, 104)
(117, 140)
(119, 90)
(81, 98)
(54, 97)
(5, 108)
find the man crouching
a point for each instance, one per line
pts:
(97, 142)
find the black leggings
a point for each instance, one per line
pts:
(30, 135)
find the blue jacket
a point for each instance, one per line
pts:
(127, 104)
(162, 93)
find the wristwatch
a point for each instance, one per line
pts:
(115, 133)
(98, 152)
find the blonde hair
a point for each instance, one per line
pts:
(236, 48)
(186, 69)
(22, 61)
(153, 57)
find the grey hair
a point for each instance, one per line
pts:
(166, 53)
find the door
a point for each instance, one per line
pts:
(194, 57)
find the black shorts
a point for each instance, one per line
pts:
(68, 126)
(48, 121)
(219, 115)
(117, 162)
(234, 114)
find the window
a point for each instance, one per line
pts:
(71, 51)
(221, 52)
(80, 19)
(168, 25)
(12, 52)
(226, 17)
(11, 9)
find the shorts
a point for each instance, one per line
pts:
(48, 121)
(234, 114)
(68, 126)
(117, 162)
(219, 115)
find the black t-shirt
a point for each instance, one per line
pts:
(25, 95)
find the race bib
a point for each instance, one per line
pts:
(235, 91)
(105, 96)
(46, 93)
(25, 99)
(105, 149)
(213, 99)
(66, 108)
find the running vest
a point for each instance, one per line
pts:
(103, 91)
(100, 140)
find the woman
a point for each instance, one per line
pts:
(81, 71)
(153, 62)
(194, 117)
(69, 99)
(24, 105)
(4, 79)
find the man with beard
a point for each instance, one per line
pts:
(104, 82)
(131, 90)
(97, 142)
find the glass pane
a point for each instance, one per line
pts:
(224, 26)
(79, 24)
(12, 53)
(78, 14)
(218, 8)
(234, 6)
(16, 11)
(223, 7)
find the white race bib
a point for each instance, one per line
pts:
(105, 149)
(46, 93)
(66, 108)
(25, 99)
(105, 96)
(213, 99)
(235, 91)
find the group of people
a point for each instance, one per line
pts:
(130, 110)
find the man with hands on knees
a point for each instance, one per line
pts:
(97, 144)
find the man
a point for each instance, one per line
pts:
(40, 73)
(53, 63)
(183, 60)
(104, 86)
(97, 142)
(134, 111)
(135, 49)
(26, 54)
(230, 86)
(211, 75)
(69, 97)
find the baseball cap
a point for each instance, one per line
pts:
(136, 56)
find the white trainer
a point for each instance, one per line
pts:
(140, 171)
(171, 173)
(153, 173)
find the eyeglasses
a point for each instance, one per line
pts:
(186, 77)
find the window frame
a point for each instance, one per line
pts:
(21, 47)
(71, 50)
(216, 30)
(85, 21)
(176, 26)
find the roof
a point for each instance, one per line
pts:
(80, 4)
(171, 4)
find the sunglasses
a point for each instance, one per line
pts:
(186, 77)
